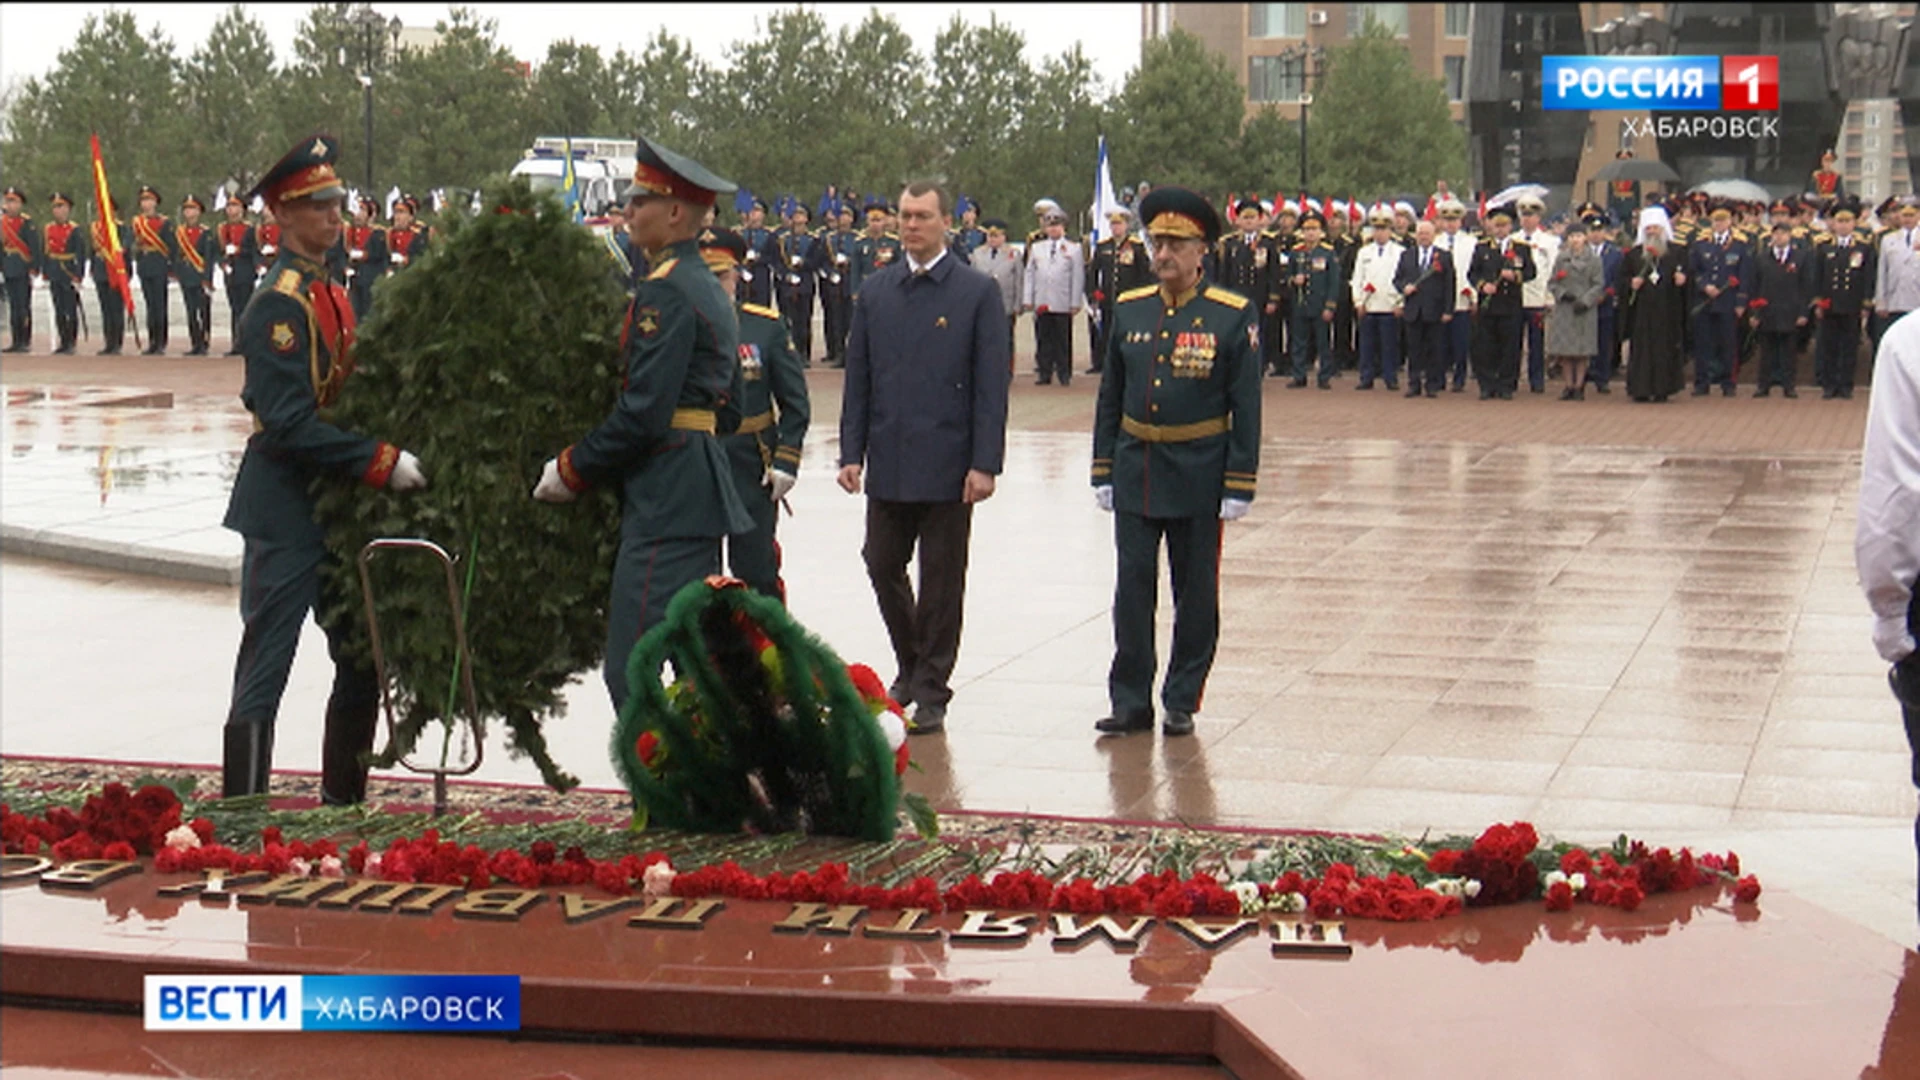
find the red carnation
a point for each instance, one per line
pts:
(1443, 862)
(1576, 861)
(1560, 897)
(1628, 897)
(121, 851)
(1747, 890)
(647, 746)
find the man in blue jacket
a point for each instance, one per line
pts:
(923, 428)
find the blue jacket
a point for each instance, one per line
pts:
(926, 384)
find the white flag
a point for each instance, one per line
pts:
(1103, 197)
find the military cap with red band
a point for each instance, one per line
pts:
(659, 172)
(1178, 212)
(306, 172)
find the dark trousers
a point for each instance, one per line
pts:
(1715, 341)
(1600, 371)
(359, 294)
(20, 312)
(1097, 337)
(1496, 354)
(1380, 348)
(1905, 680)
(1053, 346)
(1343, 343)
(198, 301)
(66, 307)
(153, 291)
(797, 305)
(1013, 322)
(1777, 355)
(1193, 560)
(1537, 348)
(113, 315)
(1275, 339)
(1311, 337)
(754, 557)
(279, 584)
(837, 308)
(924, 629)
(239, 291)
(1837, 351)
(647, 573)
(1459, 339)
(1427, 354)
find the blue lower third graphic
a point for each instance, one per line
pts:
(333, 1003)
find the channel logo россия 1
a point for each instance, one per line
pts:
(1666, 83)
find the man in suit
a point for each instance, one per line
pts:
(1425, 278)
(1719, 273)
(1176, 455)
(682, 390)
(1600, 234)
(923, 427)
(1056, 275)
(1782, 295)
(1897, 288)
(1458, 244)
(297, 337)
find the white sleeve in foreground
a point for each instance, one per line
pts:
(1887, 534)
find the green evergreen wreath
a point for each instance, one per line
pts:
(484, 358)
(764, 730)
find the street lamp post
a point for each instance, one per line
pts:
(371, 26)
(1309, 58)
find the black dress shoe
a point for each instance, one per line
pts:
(1765, 391)
(108, 352)
(1828, 394)
(1126, 724)
(1364, 386)
(1177, 723)
(1430, 393)
(1727, 390)
(1790, 392)
(1485, 394)
(1846, 393)
(1701, 391)
(928, 720)
(1459, 388)
(1326, 384)
(1414, 392)
(1541, 389)
(1602, 388)
(1299, 383)
(1043, 382)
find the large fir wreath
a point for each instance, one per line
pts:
(483, 359)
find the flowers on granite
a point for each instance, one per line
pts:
(1508, 864)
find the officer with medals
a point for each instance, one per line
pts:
(238, 262)
(1314, 276)
(113, 310)
(64, 265)
(877, 248)
(366, 244)
(764, 452)
(1501, 265)
(19, 261)
(1249, 263)
(682, 389)
(297, 337)
(1176, 452)
(152, 251)
(1844, 271)
(193, 268)
(1718, 270)
(1120, 264)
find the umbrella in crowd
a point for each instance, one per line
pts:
(1738, 190)
(1516, 193)
(1643, 169)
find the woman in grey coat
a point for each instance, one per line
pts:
(1573, 331)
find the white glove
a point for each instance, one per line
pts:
(1891, 639)
(1103, 497)
(551, 488)
(406, 474)
(1234, 509)
(396, 258)
(778, 483)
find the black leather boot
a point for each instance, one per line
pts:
(247, 759)
(349, 734)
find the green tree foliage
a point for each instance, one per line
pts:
(1179, 114)
(231, 75)
(1379, 126)
(124, 84)
(1267, 157)
(656, 92)
(497, 349)
(982, 88)
(565, 95)
(458, 109)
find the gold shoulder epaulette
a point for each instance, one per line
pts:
(288, 282)
(1226, 296)
(760, 310)
(1140, 293)
(662, 270)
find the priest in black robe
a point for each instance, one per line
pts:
(1654, 313)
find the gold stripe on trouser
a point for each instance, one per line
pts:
(754, 425)
(1168, 433)
(694, 420)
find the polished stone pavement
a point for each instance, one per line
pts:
(1597, 616)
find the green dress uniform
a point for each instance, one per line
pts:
(1176, 431)
(774, 413)
(297, 337)
(20, 258)
(682, 389)
(1316, 282)
(64, 254)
